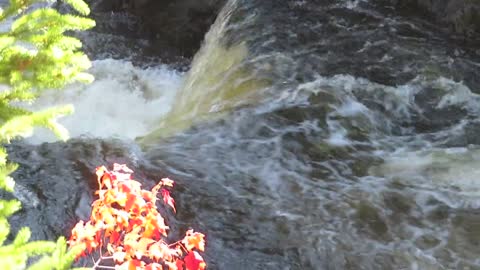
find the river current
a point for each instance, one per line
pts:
(305, 135)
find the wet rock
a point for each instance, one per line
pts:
(55, 182)
(172, 27)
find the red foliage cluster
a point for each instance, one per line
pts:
(126, 223)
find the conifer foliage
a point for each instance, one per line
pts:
(35, 54)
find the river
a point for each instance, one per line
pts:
(305, 135)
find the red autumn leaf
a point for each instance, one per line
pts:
(130, 186)
(126, 220)
(135, 222)
(84, 234)
(148, 196)
(179, 264)
(193, 261)
(168, 199)
(114, 237)
(105, 179)
(131, 201)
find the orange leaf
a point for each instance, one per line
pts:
(132, 265)
(148, 196)
(142, 246)
(84, 234)
(105, 179)
(194, 240)
(125, 216)
(131, 201)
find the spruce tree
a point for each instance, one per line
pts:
(35, 54)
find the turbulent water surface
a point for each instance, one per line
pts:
(306, 135)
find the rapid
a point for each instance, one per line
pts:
(304, 135)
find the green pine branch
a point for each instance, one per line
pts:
(35, 54)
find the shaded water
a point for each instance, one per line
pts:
(326, 135)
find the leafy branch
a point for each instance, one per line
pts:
(125, 222)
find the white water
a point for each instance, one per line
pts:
(451, 168)
(123, 102)
(417, 160)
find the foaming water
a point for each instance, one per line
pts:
(341, 165)
(219, 81)
(124, 101)
(453, 168)
(345, 139)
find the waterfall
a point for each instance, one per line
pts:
(124, 101)
(221, 78)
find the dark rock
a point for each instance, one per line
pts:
(55, 182)
(172, 27)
